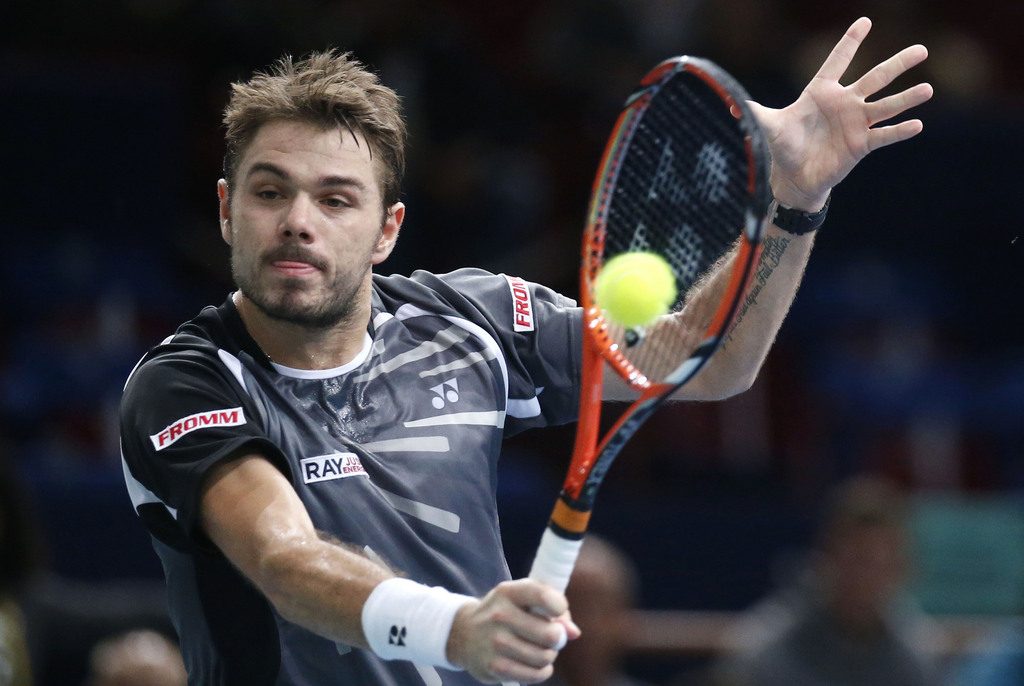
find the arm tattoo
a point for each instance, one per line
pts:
(772, 250)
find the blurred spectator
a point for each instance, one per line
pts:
(49, 624)
(847, 621)
(601, 592)
(137, 658)
(14, 662)
(66, 619)
(19, 557)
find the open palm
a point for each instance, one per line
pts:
(817, 140)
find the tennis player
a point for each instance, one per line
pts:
(315, 457)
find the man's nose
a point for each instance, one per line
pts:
(298, 222)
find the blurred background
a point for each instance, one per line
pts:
(903, 354)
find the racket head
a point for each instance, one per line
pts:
(684, 175)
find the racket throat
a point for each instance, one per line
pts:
(589, 422)
(568, 520)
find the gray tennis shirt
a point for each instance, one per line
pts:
(395, 452)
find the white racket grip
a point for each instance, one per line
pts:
(555, 559)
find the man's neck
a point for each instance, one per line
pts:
(300, 347)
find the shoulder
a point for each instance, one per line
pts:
(452, 288)
(203, 349)
(476, 294)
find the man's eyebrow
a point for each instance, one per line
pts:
(324, 182)
(343, 181)
(270, 169)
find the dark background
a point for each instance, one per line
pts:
(902, 354)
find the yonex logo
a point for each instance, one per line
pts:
(711, 174)
(396, 637)
(709, 178)
(229, 417)
(446, 390)
(330, 467)
(666, 184)
(640, 242)
(685, 252)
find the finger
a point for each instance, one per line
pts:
(881, 75)
(570, 626)
(889, 107)
(538, 598)
(545, 633)
(887, 135)
(838, 61)
(563, 637)
(516, 648)
(767, 118)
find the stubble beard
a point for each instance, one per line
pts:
(289, 300)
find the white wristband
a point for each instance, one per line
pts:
(405, 620)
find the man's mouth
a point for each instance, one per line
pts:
(293, 268)
(294, 261)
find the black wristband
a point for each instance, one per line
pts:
(797, 222)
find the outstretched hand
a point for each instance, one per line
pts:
(820, 138)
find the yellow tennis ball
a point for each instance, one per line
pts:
(634, 288)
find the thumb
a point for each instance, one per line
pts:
(767, 118)
(563, 637)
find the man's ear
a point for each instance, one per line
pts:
(389, 232)
(225, 211)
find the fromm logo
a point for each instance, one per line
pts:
(522, 305)
(230, 417)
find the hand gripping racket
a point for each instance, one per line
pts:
(684, 175)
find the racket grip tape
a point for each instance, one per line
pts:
(555, 559)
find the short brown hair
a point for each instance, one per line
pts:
(327, 89)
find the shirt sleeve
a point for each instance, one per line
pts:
(539, 332)
(182, 413)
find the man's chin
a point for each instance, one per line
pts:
(297, 311)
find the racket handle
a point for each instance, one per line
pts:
(555, 559)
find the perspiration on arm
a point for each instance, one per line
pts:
(252, 513)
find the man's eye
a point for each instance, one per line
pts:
(268, 195)
(335, 202)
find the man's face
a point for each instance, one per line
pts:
(305, 224)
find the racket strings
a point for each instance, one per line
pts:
(682, 192)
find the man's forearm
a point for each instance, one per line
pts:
(769, 295)
(734, 367)
(322, 586)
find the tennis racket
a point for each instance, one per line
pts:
(684, 175)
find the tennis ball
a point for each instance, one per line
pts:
(634, 288)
